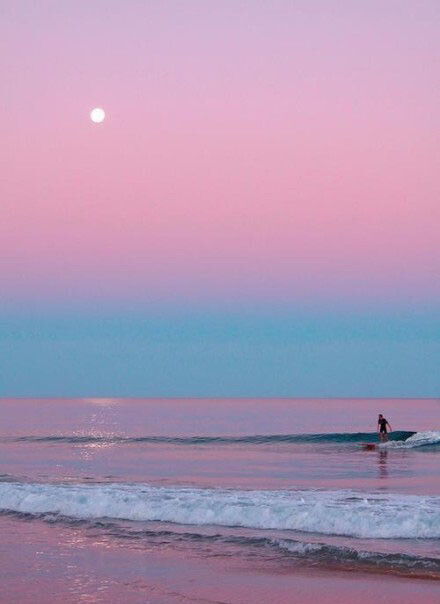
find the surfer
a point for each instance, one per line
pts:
(382, 424)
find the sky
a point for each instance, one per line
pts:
(258, 214)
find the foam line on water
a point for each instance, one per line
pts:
(338, 512)
(321, 553)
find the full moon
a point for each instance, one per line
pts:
(97, 115)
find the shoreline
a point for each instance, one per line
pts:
(68, 563)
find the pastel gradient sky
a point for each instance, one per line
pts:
(265, 165)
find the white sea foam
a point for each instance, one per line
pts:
(299, 547)
(419, 439)
(340, 512)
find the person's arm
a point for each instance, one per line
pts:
(378, 427)
(389, 426)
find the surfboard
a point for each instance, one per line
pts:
(369, 446)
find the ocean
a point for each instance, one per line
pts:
(218, 500)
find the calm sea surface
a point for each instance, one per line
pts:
(277, 486)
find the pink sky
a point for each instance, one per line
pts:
(252, 150)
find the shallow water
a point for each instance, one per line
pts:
(275, 484)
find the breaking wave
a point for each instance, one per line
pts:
(419, 439)
(338, 512)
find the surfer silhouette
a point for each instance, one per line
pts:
(382, 424)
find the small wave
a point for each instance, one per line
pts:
(340, 512)
(324, 554)
(299, 552)
(419, 439)
(307, 552)
(257, 439)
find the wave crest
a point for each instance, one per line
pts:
(256, 439)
